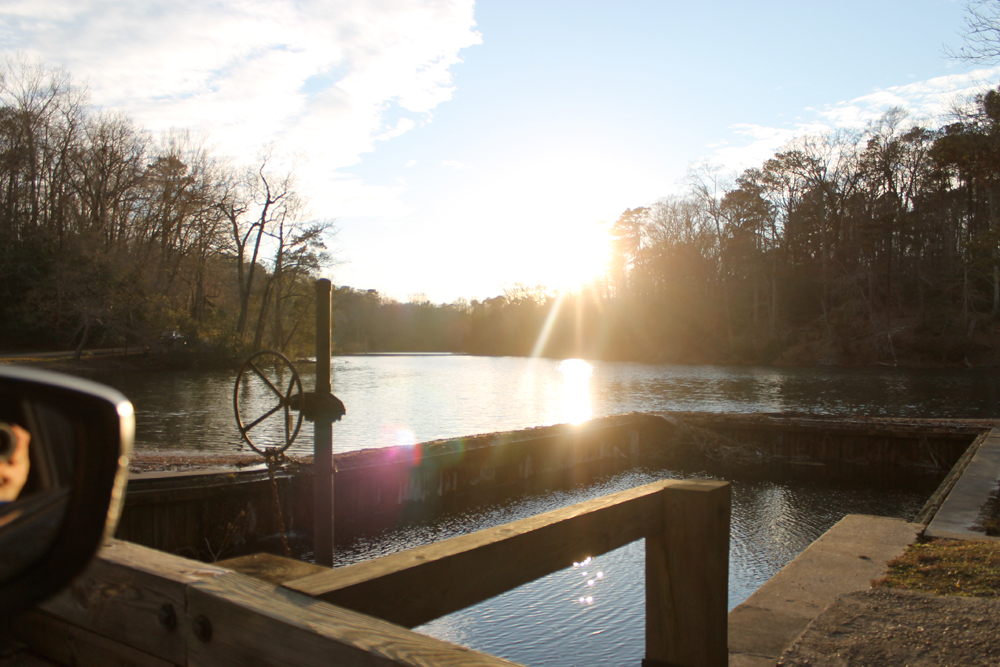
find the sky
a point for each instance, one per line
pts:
(463, 148)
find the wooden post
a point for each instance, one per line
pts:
(687, 578)
(323, 435)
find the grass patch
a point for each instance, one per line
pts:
(946, 567)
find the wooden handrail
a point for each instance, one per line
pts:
(147, 607)
(686, 523)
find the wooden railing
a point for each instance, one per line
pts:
(147, 607)
(686, 526)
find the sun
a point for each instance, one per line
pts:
(578, 259)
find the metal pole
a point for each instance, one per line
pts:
(323, 435)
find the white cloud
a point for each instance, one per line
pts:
(930, 99)
(928, 102)
(316, 78)
(455, 164)
(753, 144)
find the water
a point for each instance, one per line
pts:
(596, 609)
(406, 399)
(560, 619)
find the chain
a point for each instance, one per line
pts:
(274, 459)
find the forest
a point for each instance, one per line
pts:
(871, 246)
(878, 245)
(110, 236)
(865, 246)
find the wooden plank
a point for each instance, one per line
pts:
(68, 644)
(122, 593)
(687, 577)
(270, 568)
(416, 586)
(217, 488)
(256, 623)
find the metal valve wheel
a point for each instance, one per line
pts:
(267, 391)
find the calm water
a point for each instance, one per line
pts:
(595, 610)
(406, 399)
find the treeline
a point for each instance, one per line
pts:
(873, 246)
(111, 236)
(364, 321)
(879, 245)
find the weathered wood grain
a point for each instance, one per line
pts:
(225, 618)
(122, 594)
(256, 623)
(416, 586)
(270, 568)
(687, 577)
(66, 644)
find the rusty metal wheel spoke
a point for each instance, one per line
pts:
(267, 414)
(257, 366)
(266, 380)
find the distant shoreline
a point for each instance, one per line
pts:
(115, 360)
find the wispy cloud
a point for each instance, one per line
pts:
(321, 79)
(928, 102)
(752, 144)
(925, 100)
(455, 164)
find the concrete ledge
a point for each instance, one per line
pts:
(844, 559)
(960, 510)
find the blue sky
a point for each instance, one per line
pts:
(466, 147)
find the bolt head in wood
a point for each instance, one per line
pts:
(168, 617)
(202, 628)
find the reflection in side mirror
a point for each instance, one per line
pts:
(64, 443)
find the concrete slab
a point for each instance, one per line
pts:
(844, 559)
(960, 510)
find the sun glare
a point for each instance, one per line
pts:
(576, 374)
(578, 259)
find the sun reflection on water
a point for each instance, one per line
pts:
(590, 579)
(576, 399)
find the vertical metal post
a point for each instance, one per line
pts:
(323, 435)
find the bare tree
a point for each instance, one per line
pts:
(709, 189)
(981, 33)
(257, 202)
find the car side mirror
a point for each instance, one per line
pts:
(64, 445)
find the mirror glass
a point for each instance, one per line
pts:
(38, 447)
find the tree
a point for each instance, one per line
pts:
(970, 149)
(708, 190)
(981, 34)
(253, 205)
(626, 239)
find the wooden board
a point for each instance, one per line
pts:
(122, 593)
(416, 586)
(67, 644)
(687, 578)
(256, 623)
(270, 568)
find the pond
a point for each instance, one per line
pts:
(404, 399)
(592, 613)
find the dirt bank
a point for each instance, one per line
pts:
(895, 628)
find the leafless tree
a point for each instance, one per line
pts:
(981, 33)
